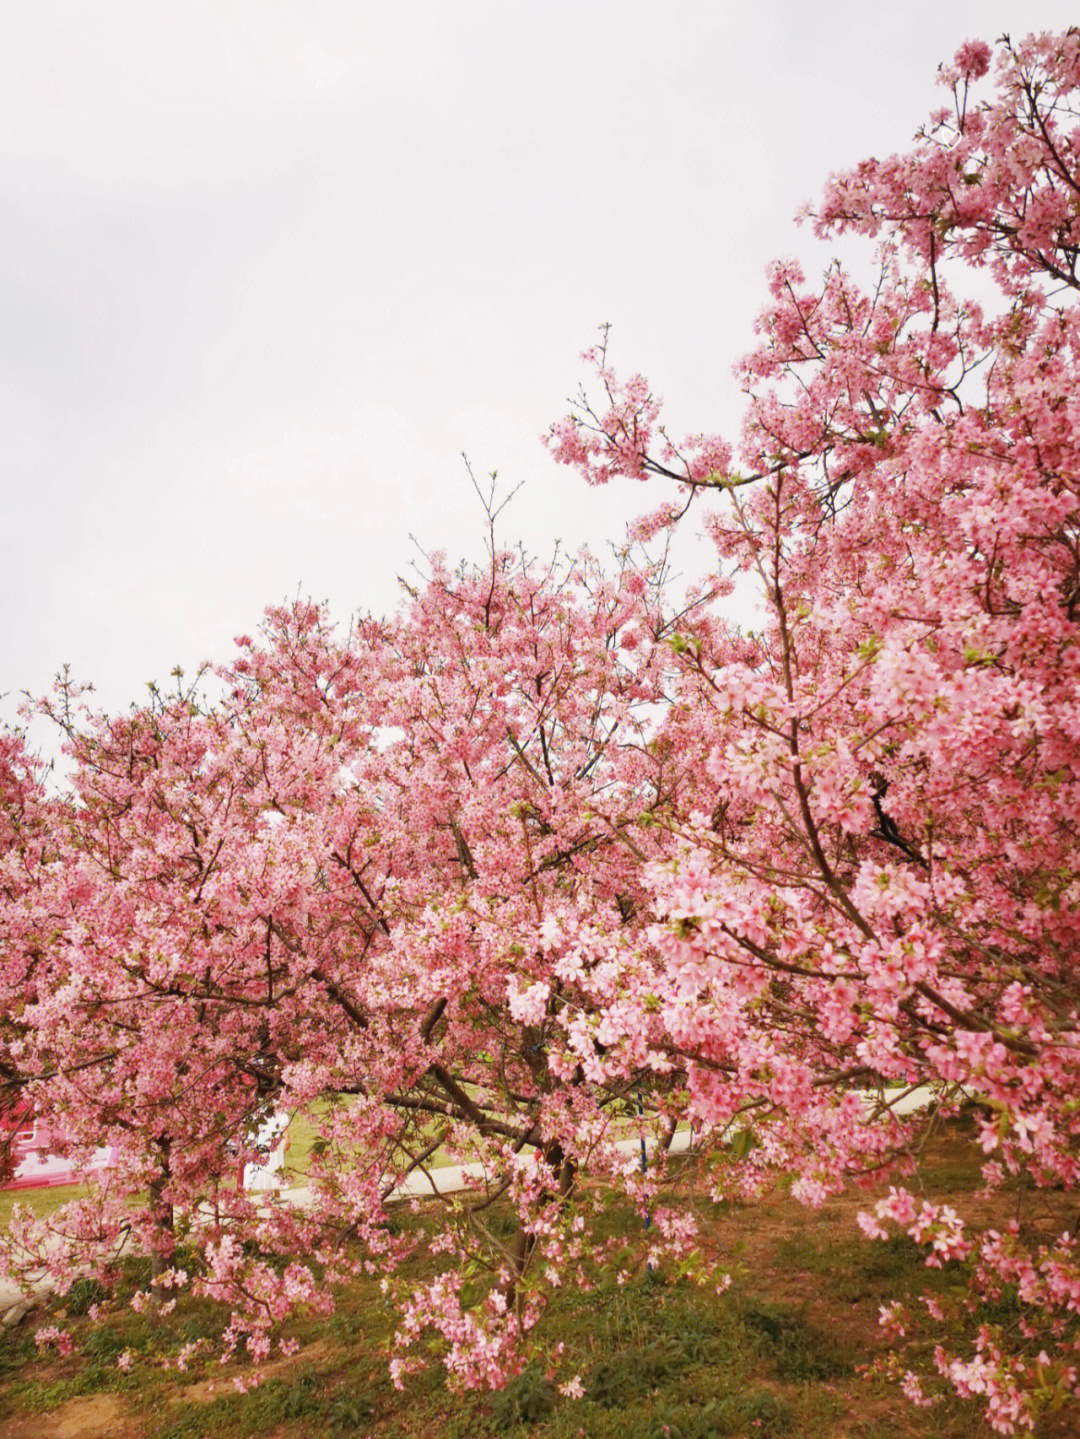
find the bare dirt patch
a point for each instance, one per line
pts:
(98, 1416)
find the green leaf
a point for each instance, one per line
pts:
(742, 1144)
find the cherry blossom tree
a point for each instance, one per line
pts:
(326, 890)
(880, 888)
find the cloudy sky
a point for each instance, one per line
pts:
(269, 268)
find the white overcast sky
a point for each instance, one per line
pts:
(268, 268)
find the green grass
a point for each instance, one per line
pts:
(779, 1354)
(43, 1202)
(659, 1358)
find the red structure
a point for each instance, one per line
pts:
(37, 1167)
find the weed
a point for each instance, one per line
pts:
(756, 1411)
(348, 1410)
(794, 1349)
(527, 1399)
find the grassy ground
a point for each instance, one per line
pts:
(777, 1355)
(42, 1201)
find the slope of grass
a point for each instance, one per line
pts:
(781, 1353)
